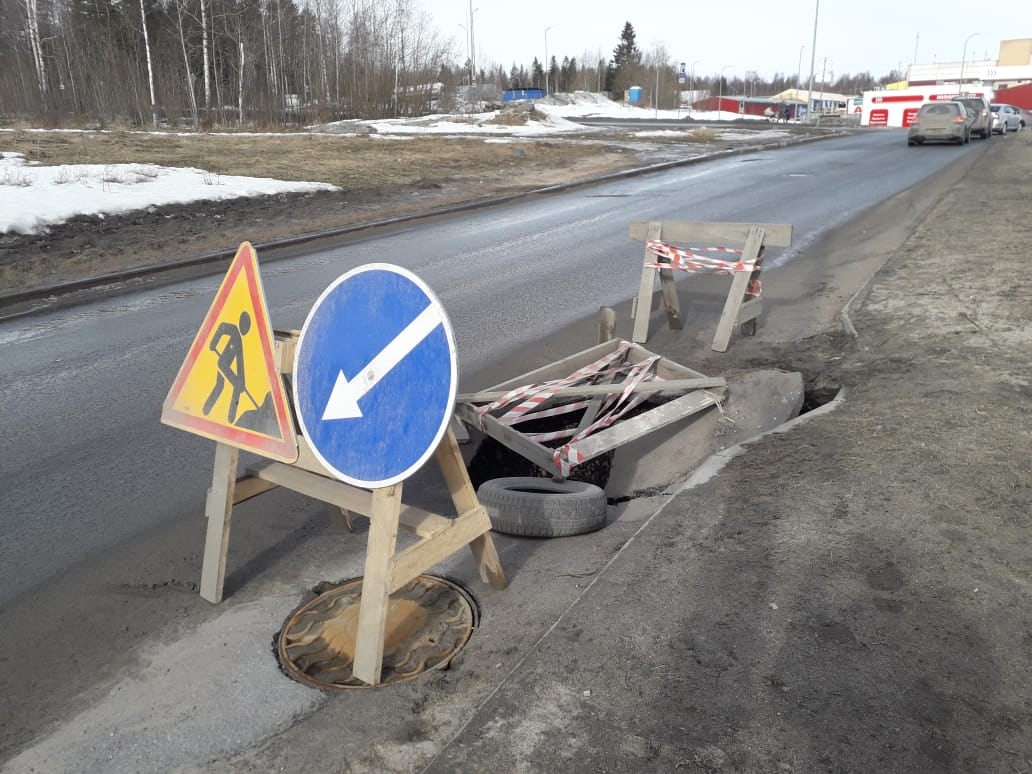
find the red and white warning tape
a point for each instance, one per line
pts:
(685, 260)
(612, 368)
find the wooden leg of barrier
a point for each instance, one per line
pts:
(736, 296)
(345, 516)
(219, 511)
(606, 324)
(372, 612)
(670, 302)
(643, 305)
(465, 499)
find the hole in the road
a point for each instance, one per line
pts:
(815, 397)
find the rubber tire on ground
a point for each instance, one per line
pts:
(540, 507)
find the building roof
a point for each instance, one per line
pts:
(802, 96)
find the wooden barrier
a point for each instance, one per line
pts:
(386, 570)
(737, 308)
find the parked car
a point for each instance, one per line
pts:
(982, 122)
(942, 122)
(1007, 118)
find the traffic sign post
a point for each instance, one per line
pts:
(374, 378)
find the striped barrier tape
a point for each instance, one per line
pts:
(685, 260)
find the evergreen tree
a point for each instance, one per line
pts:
(626, 59)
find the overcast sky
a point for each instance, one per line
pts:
(761, 35)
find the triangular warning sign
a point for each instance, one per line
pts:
(228, 388)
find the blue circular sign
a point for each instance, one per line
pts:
(375, 375)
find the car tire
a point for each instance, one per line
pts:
(911, 143)
(527, 506)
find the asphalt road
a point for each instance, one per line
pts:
(86, 463)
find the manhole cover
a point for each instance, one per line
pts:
(428, 622)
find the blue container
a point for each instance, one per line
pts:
(513, 95)
(634, 95)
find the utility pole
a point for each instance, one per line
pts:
(813, 61)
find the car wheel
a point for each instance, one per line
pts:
(540, 507)
(911, 143)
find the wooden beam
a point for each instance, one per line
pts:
(537, 453)
(250, 486)
(415, 560)
(328, 490)
(464, 497)
(219, 510)
(590, 390)
(606, 324)
(736, 295)
(628, 430)
(376, 584)
(712, 234)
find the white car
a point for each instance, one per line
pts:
(1007, 118)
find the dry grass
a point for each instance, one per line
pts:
(354, 163)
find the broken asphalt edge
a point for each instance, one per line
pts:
(51, 292)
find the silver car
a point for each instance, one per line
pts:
(940, 122)
(1007, 118)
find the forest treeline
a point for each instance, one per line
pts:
(204, 63)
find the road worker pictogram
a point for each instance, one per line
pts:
(228, 388)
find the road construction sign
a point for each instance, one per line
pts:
(228, 388)
(375, 374)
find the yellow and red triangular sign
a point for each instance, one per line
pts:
(228, 388)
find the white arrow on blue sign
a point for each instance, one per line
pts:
(375, 375)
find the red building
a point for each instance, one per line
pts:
(1019, 96)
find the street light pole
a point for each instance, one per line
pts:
(546, 67)
(963, 61)
(691, 88)
(720, 89)
(473, 52)
(799, 69)
(813, 62)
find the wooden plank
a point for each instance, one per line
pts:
(703, 234)
(606, 324)
(560, 368)
(736, 295)
(643, 301)
(415, 560)
(306, 459)
(286, 345)
(465, 500)
(219, 510)
(250, 486)
(665, 368)
(750, 310)
(629, 430)
(590, 390)
(537, 453)
(666, 283)
(376, 584)
(422, 523)
(328, 490)
(459, 429)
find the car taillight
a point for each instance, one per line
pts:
(958, 119)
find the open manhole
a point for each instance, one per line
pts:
(429, 620)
